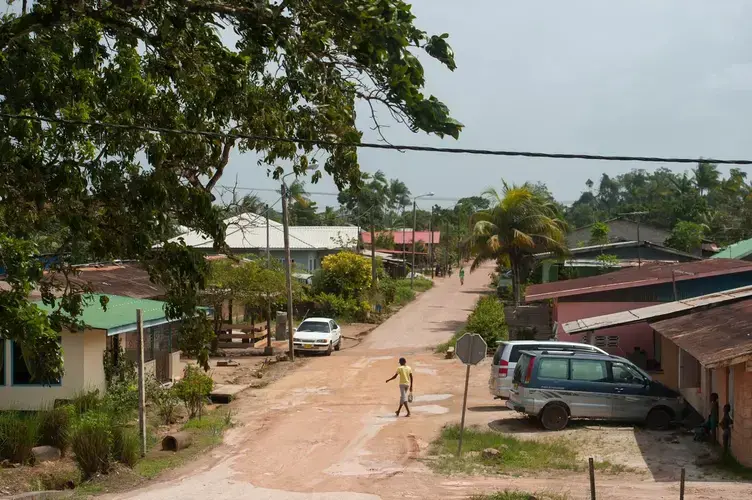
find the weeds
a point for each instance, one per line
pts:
(126, 447)
(55, 427)
(91, 443)
(521, 495)
(442, 348)
(194, 389)
(19, 433)
(86, 401)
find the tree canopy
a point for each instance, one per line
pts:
(291, 69)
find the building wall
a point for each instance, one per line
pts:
(741, 432)
(84, 371)
(669, 364)
(630, 336)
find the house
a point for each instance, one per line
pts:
(703, 346)
(623, 229)
(403, 238)
(83, 352)
(634, 288)
(246, 234)
(741, 250)
(590, 261)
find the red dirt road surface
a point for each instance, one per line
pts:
(328, 430)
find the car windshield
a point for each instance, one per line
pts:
(314, 326)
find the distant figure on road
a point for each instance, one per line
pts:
(462, 276)
(405, 374)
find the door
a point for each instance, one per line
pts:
(336, 332)
(592, 390)
(631, 400)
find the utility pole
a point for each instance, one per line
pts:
(269, 350)
(288, 269)
(639, 254)
(404, 245)
(141, 385)
(415, 220)
(430, 243)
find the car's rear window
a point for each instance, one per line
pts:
(514, 354)
(498, 353)
(314, 326)
(522, 363)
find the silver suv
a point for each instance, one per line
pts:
(505, 359)
(556, 386)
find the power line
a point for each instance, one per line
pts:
(321, 193)
(372, 145)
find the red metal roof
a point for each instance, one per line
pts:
(424, 236)
(636, 277)
(715, 337)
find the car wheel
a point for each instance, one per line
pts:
(339, 344)
(658, 419)
(554, 417)
(329, 350)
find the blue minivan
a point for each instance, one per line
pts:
(556, 386)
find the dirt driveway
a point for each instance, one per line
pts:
(328, 430)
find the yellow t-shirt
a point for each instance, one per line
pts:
(404, 373)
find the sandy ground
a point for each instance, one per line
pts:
(327, 430)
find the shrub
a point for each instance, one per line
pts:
(420, 284)
(19, 433)
(121, 400)
(328, 304)
(194, 389)
(404, 294)
(86, 401)
(55, 427)
(345, 273)
(126, 447)
(388, 289)
(91, 442)
(487, 320)
(164, 400)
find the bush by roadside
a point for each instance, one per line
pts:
(521, 495)
(487, 320)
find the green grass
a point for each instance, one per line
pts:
(516, 454)
(520, 495)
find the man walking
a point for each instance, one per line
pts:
(405, 374)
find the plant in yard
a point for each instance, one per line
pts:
(487, 320)
(164, 399)
(19, 433)
(55, 427)
(126, 447)
(346, 274)
(521, 223)
(194, 389)
(121, 400)
(85, 401)
(91, 443)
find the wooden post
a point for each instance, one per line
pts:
(464, 402)
(591, 466)
(681, 484)
(141, 386)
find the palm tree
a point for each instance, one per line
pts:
(520, 224)
(706, 176)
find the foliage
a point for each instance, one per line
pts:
(19, 433)
(444, 347)
(346, 274)
(55, 427)
(404, 294)
(164, 399)
(419, 284)
(686, 236)
(118, 367)
(487, 320)
(86, 401)
(599, 233)
(521, 223)
(336, 306)
(384, 240)
(91, 443)
(295, 70)
(193, 390)
(126, 447)
(121, 400)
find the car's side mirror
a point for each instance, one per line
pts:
(294, 329)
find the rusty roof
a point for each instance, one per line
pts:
(720, 336)
(646, 275)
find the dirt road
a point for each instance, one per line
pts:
(328, 430)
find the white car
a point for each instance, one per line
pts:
(317, 335)
(505, 360)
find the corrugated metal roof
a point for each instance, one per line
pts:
(248, 231)
(738, 250)
(405, 236)
(622, 244)
(715, 337)
(655, 312)
(120, 315)
(636, 277)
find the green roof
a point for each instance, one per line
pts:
(120, 315)
(738, 250)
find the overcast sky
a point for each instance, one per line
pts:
(632, 77)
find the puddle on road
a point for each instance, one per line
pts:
(431, 397)
(430, 409)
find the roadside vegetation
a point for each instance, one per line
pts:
(489, 452)
(521, 495)
(487, 320)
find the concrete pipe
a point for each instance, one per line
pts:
(176, 441)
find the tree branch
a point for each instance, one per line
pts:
(221, 165)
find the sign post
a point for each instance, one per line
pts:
(471, 349)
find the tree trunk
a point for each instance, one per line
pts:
(373, 256)
(515, 280)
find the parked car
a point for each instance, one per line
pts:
(505, 359)
(556, 386)
(317, 335)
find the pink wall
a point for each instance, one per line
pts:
(630, 336)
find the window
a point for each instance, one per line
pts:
(605, 341)
(314, 326)
(589, 370)
(624, 374)
(20, 374)
(554, 368)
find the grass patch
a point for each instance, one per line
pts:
(521, 495)
(515, 454)
(444, 347)
(419, 284)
